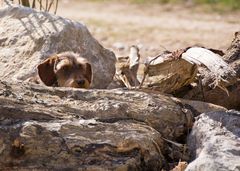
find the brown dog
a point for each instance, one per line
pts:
(66, 70)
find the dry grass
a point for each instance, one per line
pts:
(44, 5)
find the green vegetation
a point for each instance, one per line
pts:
(231, 4)
(220, 4)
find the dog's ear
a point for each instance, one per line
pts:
(46, 71)
(89, 72)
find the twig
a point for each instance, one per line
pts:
(42, 7)
(26, 3)
(46, 5)
(224, 89)
(34, 4)
(56, 7)
(175, 143)
(40, 2)
(50, 5)
(201, 88)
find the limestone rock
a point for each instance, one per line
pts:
(65, 128)
(215, 143)
(27, 37)
(27, 102)
(169, 72)
(79, 145)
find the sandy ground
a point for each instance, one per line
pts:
(152, 27)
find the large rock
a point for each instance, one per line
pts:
(215, 142)
(27, 102)
(27, 37)
(64, 128)
(80, 145)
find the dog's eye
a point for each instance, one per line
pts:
(79, 66)
(65, 68)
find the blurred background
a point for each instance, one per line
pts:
(156, 25)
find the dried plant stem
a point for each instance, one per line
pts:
(50, 5)
(46, 5)
(56, 7)
(34, 4)
(26, 3)
(40, 3)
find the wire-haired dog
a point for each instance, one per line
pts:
(66, 70)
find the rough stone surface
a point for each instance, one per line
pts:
(161, 112)
(228, 98)
(45, 128)
(64, 128)
(81, 145)
(225, 90)
(233, 52)
(169, 72)
(215, 142)
(27, 37)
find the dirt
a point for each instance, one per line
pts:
(152, 27)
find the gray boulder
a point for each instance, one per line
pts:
(215, 142)
(27, 37)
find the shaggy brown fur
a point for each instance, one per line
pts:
(66, 70)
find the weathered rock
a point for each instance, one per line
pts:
(215, 142)
(197, 73)
(228, 98)
(232, 55)
(27, 102)
(168, 72)
(55, 128)
(199, 107)
(66, 128)
(213, 69)
(233, 52)
(219, 82)
(80, 145)
(27, 37)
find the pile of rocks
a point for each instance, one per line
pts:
(64, 128)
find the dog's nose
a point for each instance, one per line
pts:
(81, 82)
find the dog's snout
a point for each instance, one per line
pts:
(81, 82)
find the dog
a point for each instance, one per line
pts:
(65, 70)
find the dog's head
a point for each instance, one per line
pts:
(66, 70)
